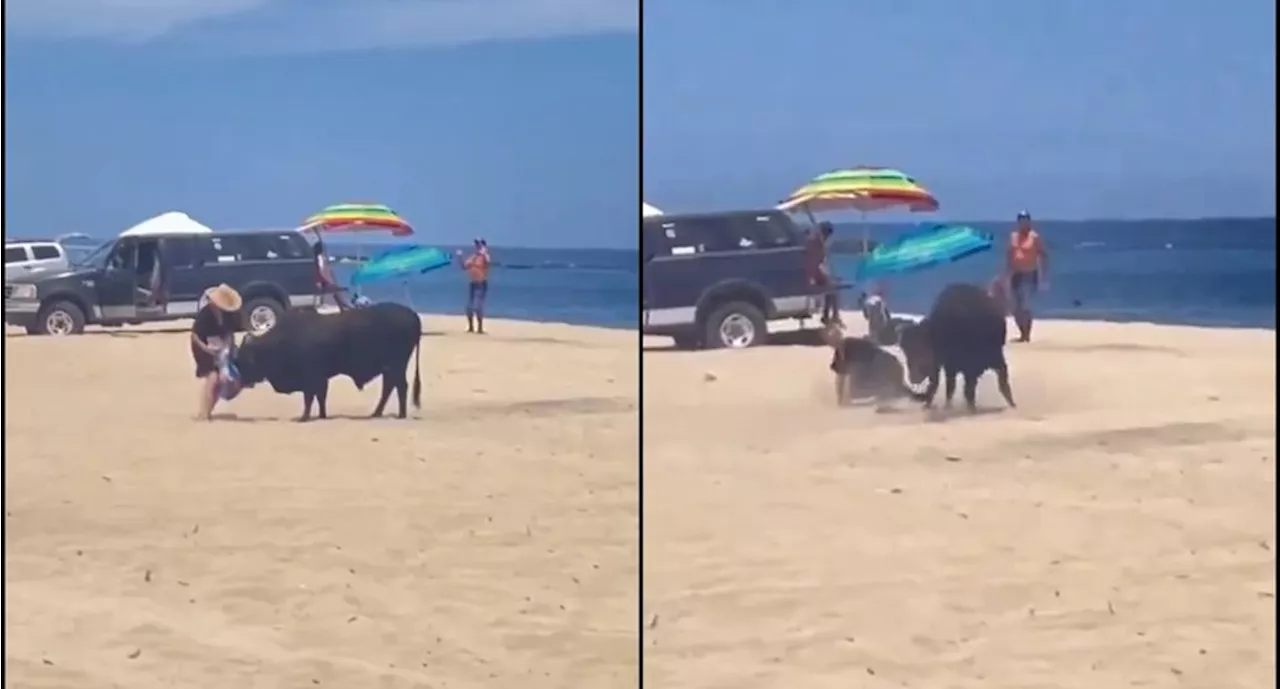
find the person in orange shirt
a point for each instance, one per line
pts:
(1026, 266)
(476, 264)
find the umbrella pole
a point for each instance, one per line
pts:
(408, 295)
(866, 234)
(813, 222)
(324, 257)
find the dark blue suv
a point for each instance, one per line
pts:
(715, 279)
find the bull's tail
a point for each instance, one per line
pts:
(417, 374)
(917, 396)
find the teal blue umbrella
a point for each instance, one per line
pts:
(401, 263)
(921, 249)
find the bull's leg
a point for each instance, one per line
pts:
(971, 389)
(393, 379)
(382, 397)
(402, 394)
(931, 390)
(307, 397)
(1002, 379)
(322, 396)
(949, 391)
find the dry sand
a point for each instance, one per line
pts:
(490, 543)
(1116, 530)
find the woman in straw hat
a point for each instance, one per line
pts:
(213, 331)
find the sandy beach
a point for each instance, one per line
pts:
(491, 542)
(1115, 530)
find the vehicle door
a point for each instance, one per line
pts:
(716, 249)
(235, 259)
(151, 293)
(184, 259)
(773, 255)
(224, 258)
(295, 268)
(117, 286)
(48, 257)
(17, 260)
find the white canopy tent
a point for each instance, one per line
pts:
(172, 222)
(647, 211)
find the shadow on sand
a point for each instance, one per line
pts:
(573, 406)
(809, 337)
(130, 334)
(235, 418)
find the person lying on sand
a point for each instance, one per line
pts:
(212, 332)
(863, 368)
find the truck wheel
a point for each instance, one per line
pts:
(735, 325)
(60, 318)
(261, 314)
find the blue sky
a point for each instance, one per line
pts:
(1074, 109)
(516, 120)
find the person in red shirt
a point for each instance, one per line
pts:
(818, 271)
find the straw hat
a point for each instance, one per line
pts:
(224, 297)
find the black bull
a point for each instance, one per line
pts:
(305, 349)
(963, 334)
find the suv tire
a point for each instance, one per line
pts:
(261, 314)
(59, 318)
(735, 325)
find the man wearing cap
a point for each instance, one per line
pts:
(1027, 267)
(476, 266)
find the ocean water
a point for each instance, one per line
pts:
(1192, 272)
(597, 287)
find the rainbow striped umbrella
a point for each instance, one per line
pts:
(864, 189)
(358, 217)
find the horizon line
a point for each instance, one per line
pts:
(1073, 220)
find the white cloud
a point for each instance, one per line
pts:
(320, 25)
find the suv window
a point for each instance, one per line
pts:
(44, 252)
(180, 252)
(290, 245)
(15, 254)
(717, 234)
(251, 247)
(772, 231)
